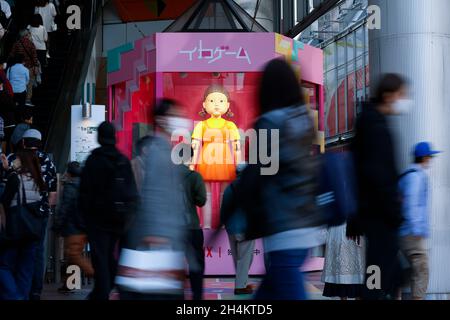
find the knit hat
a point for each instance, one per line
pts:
(106, 134)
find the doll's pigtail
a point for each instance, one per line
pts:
(229, 114)
(203, 113)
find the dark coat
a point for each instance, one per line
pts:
(195, 195)
(376, 171)
(68, 219)
(97, 178)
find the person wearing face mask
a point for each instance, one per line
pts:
(379, 215)
(162, 218)
(414, 231)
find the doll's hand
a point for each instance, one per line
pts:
(192, 167)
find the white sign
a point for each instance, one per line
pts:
(84, 132)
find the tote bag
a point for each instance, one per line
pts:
(24, 221)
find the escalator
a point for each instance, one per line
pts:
(45, 96)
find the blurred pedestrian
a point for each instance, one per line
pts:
(70, 223)
(24, 47)
(40, 37)
(48, 13)
(7, 108)
(32, 140)
(414, 188)
(161, 225)
(281, 204)
(17, 255)
(344, 269)
(108, 197)
(379, 215)
(6, 84)
(195, 196)
(19, 77)
(232, 216)
(138, 163)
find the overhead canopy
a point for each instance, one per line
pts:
(215, 16)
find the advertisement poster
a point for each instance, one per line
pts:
(84, 131)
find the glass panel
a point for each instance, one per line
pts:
(330, 94)
(366, 40)
(342, 46)
(342, 110)
(351, 99)
(330, 56)
(350, 47)
(359, 63)
(351, 66)
(342, 73)
(360, 45)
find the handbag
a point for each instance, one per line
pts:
(24, 221)
(151, 271)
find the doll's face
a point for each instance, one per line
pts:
(216, 104)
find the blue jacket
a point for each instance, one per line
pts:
(414, 189)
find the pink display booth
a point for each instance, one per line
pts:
(181, 66)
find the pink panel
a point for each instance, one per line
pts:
(218, 259)
(311, 63)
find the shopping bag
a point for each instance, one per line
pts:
(151, 271)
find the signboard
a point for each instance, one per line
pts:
(204, 52)
(84, 132)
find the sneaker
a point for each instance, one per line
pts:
(48, 56)
(242, 291)
(29, 104)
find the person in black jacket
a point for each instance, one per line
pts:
(379, 214)
(106, 178)
(69, 222)
(195, 197)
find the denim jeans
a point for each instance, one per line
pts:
(40, 263)
(16, 271)
(284, 279)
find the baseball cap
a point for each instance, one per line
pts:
(32, 134)
(424, 149)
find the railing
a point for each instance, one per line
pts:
(76, 67)
(70, 90)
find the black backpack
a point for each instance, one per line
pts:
(3, 20)
(124, 194)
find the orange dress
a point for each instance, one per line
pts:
(216, 161)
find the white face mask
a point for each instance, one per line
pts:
(403, 106)
(173, 124)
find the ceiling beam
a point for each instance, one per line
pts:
(323, 8)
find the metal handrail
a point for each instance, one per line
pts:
(76, 68)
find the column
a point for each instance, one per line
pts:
(414, 40)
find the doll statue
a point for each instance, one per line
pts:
(216, 141)
(217, 151)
